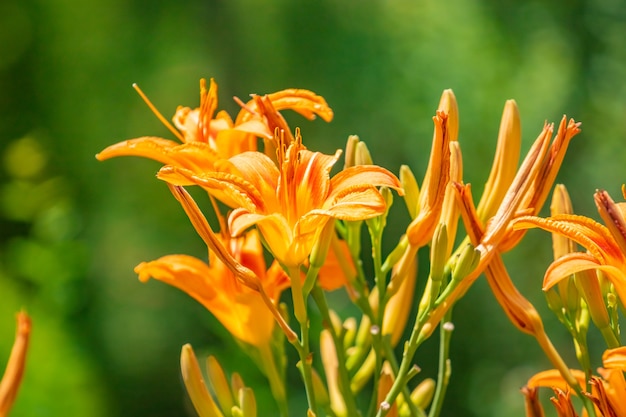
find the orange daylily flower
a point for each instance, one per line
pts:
(15, 367)
(239, 308)
(292, 202)
(208, 137)
(607, 392)
(604, 253)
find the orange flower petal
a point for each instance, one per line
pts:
(364, 174)
(552, 379)
(239, 309)
(576, 262)
(14, 371)
(148, 147)
(615, 358)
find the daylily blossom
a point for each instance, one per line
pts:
(240, 309)
(15, 367)
(208, 137)
(607, 391)
(604, 253)
(292, 202)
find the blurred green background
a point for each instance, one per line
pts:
(72, 229)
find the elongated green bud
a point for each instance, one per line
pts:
(194, 382)
(350, 157)
(363, 156)
(219, 384)
(247, 402)
(438, 252)
(468, 261)
(423, 394)
(411, 190)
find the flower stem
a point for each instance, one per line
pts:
(302, 345)
(344, 378)
(443, 374)
(277, 384)
(558, 363)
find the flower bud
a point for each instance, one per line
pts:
(438, 252)
(350, 158)
(411, 190)
(467, 261)
(362, 155)
(194, 382)
(247, 402)
(219, 384)
(423, 394)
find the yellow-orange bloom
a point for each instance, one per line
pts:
(208, 137)
(607, 392)
(604, 253)
(15, 367)
(240, 309)
(292, 202)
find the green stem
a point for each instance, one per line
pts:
(302, 345)
(391, 357)
(344, 378)
(558, 362)
(609, 337)
(415, 340)
(443, 374)
(277, 383)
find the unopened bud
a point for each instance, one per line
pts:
(438, 252)
(350, 158)
(411, 190)
(349, 331)
(387, 196)
(247, 402)
(468, 261)
(194, 383)
(587, 283)
(448, 104)
(362, 156)
(423, 394)
(321, 395)
(219, 384)
(554, 301)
